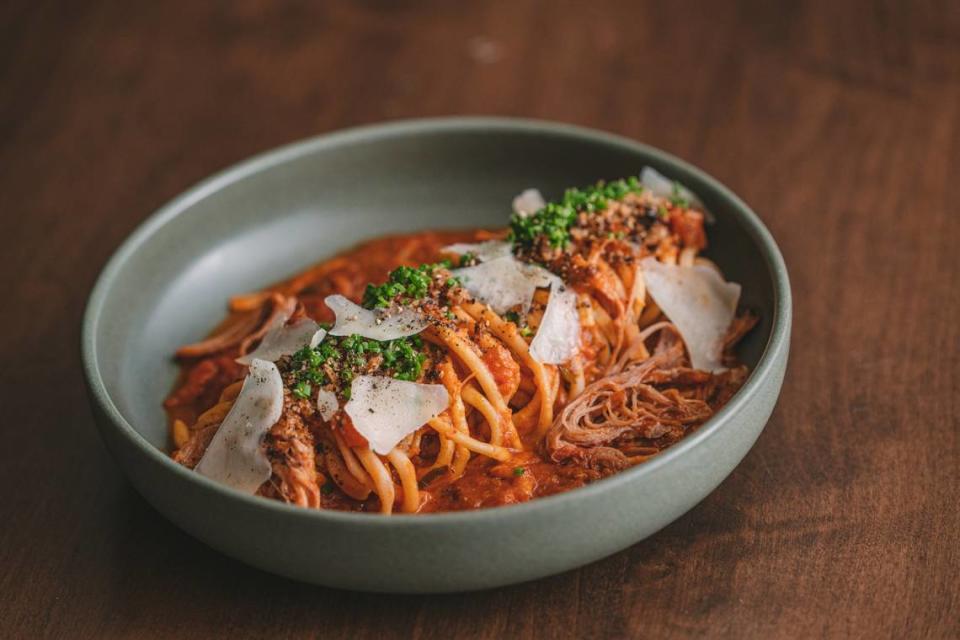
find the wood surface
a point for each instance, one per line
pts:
(839, 122)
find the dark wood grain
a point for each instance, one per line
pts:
(838, 121)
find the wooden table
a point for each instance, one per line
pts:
(838, 121)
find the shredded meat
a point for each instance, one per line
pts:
(290, 447)
(740, 327)
(645, 407)
(190, 453)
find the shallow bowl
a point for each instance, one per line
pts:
(273, 215)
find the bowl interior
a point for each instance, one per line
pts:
(276, 214)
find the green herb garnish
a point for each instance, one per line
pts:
(404, 284)
(553, 221)
(676, 196)
(344, 357)
(519, 471)
(403, 357)
(302, 390)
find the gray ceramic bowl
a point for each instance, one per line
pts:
(268, 217)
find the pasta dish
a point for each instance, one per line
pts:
(453, 370)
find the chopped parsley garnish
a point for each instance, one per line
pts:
(676, 196)
(467, 259)
(512, 316)
(327, 488)
(403, 285)
(519, 471)
(302, 390)
(553, 221)
(338, 359)
(403, 358)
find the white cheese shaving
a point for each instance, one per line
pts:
(278, 320)
(558, 336)
(528, 202)
(504, 282)
(385, 410)
(373, 324)
(235, 457)
(483, 251)
(327, 403)
(285, 340)
(662, 186)
(699, 302)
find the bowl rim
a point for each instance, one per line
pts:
(777, 344)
